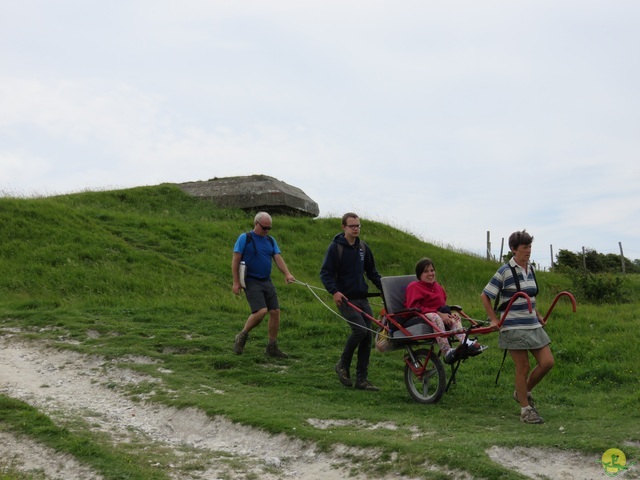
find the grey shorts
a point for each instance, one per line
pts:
(521, 339)
(261, 294)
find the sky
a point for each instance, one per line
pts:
(447, 120)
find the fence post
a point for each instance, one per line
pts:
(488, 245)
(622, 258)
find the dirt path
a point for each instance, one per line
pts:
(65, 385)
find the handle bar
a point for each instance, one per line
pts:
(555, 300)
(522, 294)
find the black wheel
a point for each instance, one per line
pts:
(424, 375)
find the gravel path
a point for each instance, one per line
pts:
(64, 384)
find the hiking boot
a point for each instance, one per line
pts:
(343, 375)
(529, 398)
(531, 415)
(366, 385)
(476, 349)
(273, 351)
(240, 341)
(450, 357)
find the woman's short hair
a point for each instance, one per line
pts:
(422, 264)
(519, 238)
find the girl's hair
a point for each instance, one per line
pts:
(519, 238)
(422, 264)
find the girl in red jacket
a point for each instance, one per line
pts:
(429, 297)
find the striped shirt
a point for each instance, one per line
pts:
(502, 284)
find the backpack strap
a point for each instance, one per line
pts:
(363, 246)
(516, 280)
(533, 274)
(250, 240)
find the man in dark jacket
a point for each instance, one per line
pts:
(346, 261)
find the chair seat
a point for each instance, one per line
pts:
(414, 331)
(394, 290)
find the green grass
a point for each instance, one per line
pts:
(147, 271)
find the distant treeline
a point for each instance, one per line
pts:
(595, 262)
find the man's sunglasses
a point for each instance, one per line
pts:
(266, 229)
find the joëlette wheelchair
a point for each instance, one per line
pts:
(424, 372)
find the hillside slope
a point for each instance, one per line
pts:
(144, 274)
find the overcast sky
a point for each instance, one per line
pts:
(445, 119)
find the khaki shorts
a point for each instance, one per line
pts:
(521, 339)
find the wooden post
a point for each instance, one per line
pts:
(551, 251)
(622, 258)
(584, 259)
(501, 249)
(488, 245)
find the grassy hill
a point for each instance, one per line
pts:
(146, 271)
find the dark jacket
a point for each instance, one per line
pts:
(345, 272)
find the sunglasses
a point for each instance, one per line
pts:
(266, 229)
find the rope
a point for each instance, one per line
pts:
(312, 288)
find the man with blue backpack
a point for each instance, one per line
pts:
(251, 269)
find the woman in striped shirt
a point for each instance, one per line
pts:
(522, 330)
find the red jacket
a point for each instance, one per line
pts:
(428, 297)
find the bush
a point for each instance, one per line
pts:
(600, 288)
(595, 262)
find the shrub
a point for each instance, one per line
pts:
(600, 288)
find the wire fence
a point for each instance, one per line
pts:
(629, 262)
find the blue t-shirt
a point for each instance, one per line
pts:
(257, 254)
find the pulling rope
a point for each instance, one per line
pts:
(449, 333)
(375, 332)
(312, 288)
